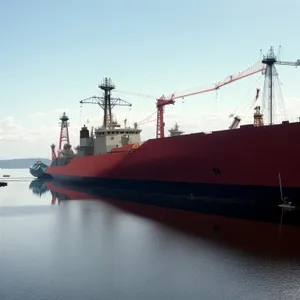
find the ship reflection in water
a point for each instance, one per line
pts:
(89, 246)
(249, 236)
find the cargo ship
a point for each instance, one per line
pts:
(250, 166)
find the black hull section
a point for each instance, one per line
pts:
(251, 203)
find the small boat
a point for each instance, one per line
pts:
(37, 169)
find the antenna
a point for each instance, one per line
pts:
(107, 103)
(107, 86)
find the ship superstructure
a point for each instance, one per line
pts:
(111, 134)
(103, 140)
(174, 131)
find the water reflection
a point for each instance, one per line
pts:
(38, 187)
(257, 238)
(92, 246)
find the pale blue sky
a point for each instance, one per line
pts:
(54, 53)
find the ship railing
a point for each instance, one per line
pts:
(119, 151)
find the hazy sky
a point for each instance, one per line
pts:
(54, 53)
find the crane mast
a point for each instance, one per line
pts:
(270, 60)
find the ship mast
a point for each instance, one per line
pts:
(107, 86)
(270, 60)
(107, 103)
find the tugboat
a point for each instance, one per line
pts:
(37, 169)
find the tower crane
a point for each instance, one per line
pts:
(162, 102)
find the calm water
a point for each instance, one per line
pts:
(105, 249)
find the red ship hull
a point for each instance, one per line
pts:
(237, 166)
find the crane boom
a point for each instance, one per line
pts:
(137, 94)
(289, 63)
(256, 68)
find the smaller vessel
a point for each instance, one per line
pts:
(37, 169)
(175, 130)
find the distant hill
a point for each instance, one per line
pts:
(21, 163)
